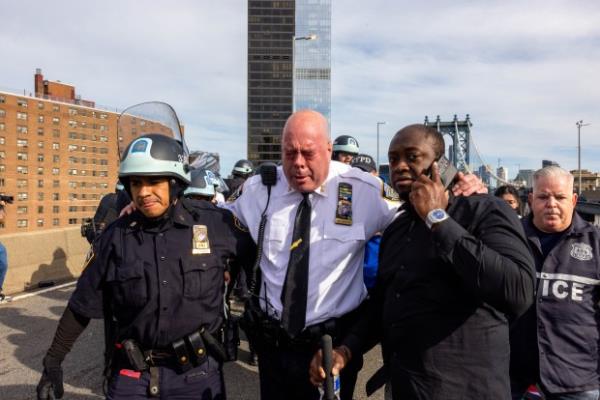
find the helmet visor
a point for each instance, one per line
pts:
(145, 118)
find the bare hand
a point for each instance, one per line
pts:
(227, 277)
(468, 184)
(428, 194)
(316, 371)
(128, 209)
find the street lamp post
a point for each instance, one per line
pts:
(312, 36)
(378, 124)
(579, 125)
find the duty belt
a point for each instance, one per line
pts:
(186, 353)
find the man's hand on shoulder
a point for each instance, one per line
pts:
(468, 184)
(428, 194)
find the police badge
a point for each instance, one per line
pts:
(581, 251)
(200, 243)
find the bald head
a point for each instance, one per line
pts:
(307, 122)
(306, 150)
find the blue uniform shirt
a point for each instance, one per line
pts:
(162, 280)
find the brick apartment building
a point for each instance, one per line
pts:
(58, 156)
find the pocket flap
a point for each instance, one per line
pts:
(131, 270)
(195, 263)
(344, 233)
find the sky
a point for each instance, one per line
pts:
(525, 72)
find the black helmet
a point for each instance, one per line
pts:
(346, 144)
(243, 168)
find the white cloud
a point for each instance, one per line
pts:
(525, 71)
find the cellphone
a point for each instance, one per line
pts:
(447, 171)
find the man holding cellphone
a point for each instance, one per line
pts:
(452, 271)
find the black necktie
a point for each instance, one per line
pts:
(295, 287)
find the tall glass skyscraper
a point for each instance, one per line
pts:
(278, 32)
(312, 61)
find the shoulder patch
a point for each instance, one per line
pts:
(238, 224)
(388, 193)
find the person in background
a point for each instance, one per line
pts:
(511, 196)
(366, 163)
(242, 170)
(108, 210)
(555, 344)
(345, 148)
(3, 257)
(202, 186)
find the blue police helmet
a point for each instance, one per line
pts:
(203, 183)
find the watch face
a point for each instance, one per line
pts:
(438, 214)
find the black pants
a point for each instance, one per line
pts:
(201, 383)
(283, 373)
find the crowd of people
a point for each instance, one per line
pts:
(467, 299)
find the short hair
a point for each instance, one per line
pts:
(439, 146)
(553, 171)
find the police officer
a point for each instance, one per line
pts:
(242, 170)
(345, 148)
(156, 277)
(108, 210)
(555, 344)
(346, 208)
(202, 185)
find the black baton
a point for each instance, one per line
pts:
(327, 349)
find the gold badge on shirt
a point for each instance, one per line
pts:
(200, 244)
(343, 212)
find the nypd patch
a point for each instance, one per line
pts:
(581, 251)
(238, 224)
(388, 193)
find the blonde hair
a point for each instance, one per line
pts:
(554, 171)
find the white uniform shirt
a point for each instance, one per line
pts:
(335, 282)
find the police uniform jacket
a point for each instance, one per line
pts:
(163, 279)
(558, 336)
(441, 301)
(335, 284)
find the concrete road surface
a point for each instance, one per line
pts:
(27, 327)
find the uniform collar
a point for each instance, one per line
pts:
(181, 216)
(176, 214)
(288, 190)
(578, 226)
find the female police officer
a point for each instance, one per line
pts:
(156, 277)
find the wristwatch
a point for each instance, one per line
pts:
(436, 216)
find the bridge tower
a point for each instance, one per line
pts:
(460, 132)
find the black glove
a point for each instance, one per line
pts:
(51, 381)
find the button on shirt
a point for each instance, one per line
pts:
(336, 283)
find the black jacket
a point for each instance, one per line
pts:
(163, 280)
(442, 298)
(558, 336)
